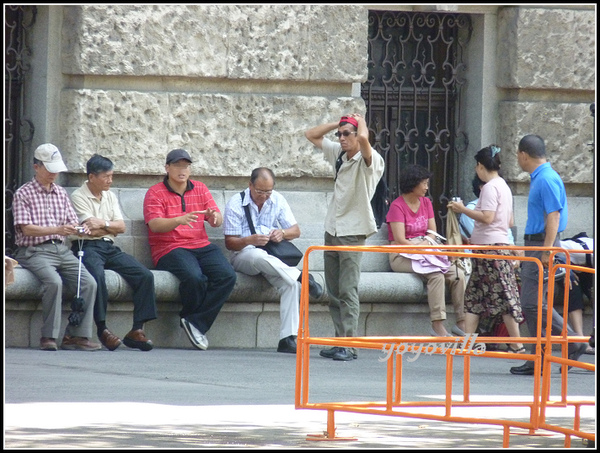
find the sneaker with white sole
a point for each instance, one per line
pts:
(197, 338)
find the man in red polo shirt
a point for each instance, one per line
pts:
(175, 211)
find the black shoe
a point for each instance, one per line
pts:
(287, 344)
(344, 354)
(329, 353)
(314, 289)
(581, 348)
(523, 370)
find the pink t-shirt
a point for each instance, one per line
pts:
(415, 223)
(495, 196)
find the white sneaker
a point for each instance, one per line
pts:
(197, 338)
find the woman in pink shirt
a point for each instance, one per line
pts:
(492, 288)
(411, 221)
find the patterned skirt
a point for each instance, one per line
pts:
(493, 289)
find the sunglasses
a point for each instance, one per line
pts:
(345, 133)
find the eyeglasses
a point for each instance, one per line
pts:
(345, 133)
(263, 192)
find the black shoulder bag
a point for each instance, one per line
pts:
(287, 252)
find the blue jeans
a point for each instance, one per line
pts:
(206, 280)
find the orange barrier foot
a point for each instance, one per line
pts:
(325, 436)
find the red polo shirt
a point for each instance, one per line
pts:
(162, 202)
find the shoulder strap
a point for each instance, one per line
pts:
(338, 164)
(248, 216)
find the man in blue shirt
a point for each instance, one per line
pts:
(547, 216)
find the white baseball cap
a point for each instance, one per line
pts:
(50, 156)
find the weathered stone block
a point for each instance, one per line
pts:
(566, 129)
(547, 48)
(226, 134)
(285, 42)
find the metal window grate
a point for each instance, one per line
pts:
(17, 130)
(416, 71)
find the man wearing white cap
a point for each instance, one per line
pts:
(43, 218)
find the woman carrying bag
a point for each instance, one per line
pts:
(492, 289)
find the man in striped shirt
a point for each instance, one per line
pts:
(175, 211)
(273, 220)
(43, 218)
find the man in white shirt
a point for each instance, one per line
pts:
(273, 220)
(349, 220)
(98, 208)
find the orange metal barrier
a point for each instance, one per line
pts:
(394, 406)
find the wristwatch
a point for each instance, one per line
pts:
(106, 224)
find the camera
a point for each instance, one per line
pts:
(80, 229)
(456, 199)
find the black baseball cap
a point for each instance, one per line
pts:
(178, 154)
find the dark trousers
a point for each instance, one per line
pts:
(207, 278)
(530, 303)
(99, 255)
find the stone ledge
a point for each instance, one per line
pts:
(250, 317)
(380, 287)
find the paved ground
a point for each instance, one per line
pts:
(232, 398)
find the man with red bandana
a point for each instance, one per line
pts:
(349, 220)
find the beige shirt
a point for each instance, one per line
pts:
(350, 212)
(87, 205)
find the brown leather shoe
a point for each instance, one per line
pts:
(137, 339)
(109, 340)
(48, 344)
(79, 344)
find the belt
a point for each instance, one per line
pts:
(535, 237)
(539, 236)
(52, 241)
(105, 239)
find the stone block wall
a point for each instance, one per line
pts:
(154, 78)
(237, 85)
(545, 69)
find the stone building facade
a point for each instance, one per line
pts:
(237, 85)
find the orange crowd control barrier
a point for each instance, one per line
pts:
(394, 405)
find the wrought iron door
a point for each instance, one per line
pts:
(17, 131)
(413, 95)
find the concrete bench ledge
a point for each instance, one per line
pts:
(381, 287)
(390, 302)
(250, 318)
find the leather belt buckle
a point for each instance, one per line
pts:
(535, 237)
(52, 241)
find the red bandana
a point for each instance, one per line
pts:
(349, 119)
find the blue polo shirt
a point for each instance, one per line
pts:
(546, 194)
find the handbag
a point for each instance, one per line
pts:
(286, 251)
(455, 238)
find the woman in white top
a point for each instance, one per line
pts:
(492, 289)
